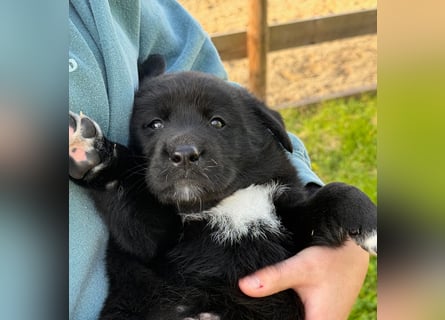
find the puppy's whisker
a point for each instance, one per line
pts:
(141, 172)
(138, 169)
(200, 204)
(164, 172)
(137, 156)
(166, 176)
(205, 174)
(137, 185)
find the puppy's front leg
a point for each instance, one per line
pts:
(329, 215)
(342, 211)
(116, 181)
(95, 162)
(138, 231)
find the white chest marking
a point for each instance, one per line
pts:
(249, 212)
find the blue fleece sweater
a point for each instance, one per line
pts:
(107, 40)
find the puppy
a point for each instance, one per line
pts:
(203, 195)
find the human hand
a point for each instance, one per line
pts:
(328, 280)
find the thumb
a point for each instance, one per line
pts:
(275, 278)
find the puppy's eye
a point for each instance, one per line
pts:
(217, 123)
(155, 124)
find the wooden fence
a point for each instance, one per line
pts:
(259, 38)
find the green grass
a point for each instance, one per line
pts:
(341, 138)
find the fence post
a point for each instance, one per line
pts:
(257, 47)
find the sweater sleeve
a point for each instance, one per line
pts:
(179, 38)
(300, 159)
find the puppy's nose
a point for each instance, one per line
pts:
(184, 154)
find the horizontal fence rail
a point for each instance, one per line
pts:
(302, 32)
(347, 93)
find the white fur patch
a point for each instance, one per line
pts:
(111, 185)
(204, 316)
(186, 193)
(370, 243)
(247, 212)
(98, 168)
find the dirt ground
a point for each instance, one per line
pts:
(304, 73)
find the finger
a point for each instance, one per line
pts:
(272, 279)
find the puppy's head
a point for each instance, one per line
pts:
(203, 137)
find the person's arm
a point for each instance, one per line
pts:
(327, 279)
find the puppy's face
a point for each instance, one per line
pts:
(199, 136)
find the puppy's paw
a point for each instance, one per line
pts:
(85, 138)
(365, 239)
(352, 213)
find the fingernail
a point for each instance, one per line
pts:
(253, 282)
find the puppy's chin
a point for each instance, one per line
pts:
(181, 192)
(187, 193)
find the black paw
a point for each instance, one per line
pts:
(365, 239)
(84, 137)
(349, 213)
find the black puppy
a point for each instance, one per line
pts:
(204, 195)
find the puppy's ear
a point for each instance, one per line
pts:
(152, 67)
(272, 120)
